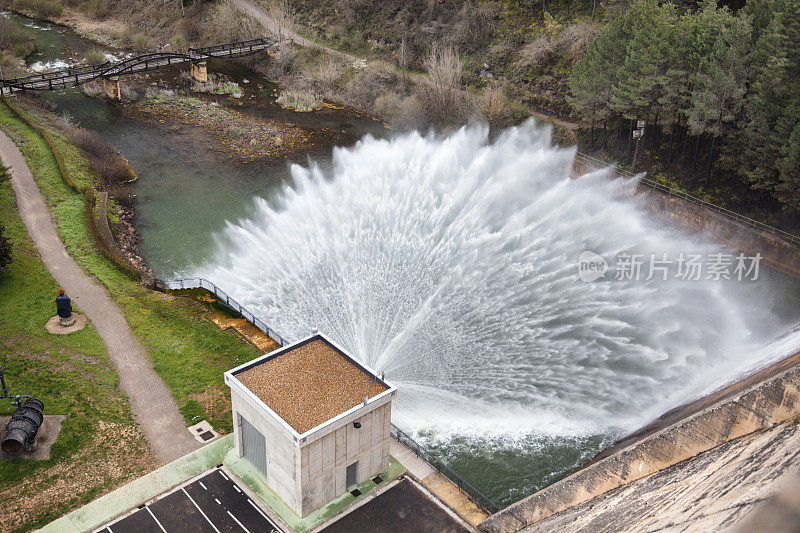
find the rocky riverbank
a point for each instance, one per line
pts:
(250, 137)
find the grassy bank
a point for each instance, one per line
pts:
(187, 351)
(100, 447)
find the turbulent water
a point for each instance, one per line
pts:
(450, 264)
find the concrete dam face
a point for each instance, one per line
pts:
(451, 263)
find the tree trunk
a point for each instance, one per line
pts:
(671, 139)
(696, 152)
(605, 134)
(630, 137)
(710, 160)
(685, 146)
(655, 135)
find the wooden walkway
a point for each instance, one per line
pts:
(73, 76)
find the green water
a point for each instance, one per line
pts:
(190, 187)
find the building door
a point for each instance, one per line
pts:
(254, 446)
(351, 475)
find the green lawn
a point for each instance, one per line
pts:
(188, 352)
(100, 447)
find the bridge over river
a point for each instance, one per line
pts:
(110, 71)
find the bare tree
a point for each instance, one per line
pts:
(444, 67)
(493, 106)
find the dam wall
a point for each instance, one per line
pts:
(779, 250)
(759, 402)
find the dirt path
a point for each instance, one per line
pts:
(260, 14)
(152, 405)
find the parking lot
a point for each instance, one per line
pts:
(213, 503)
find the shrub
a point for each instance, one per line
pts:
(492, 105)
(13, 38)
(95, 56)
(178, 42)
(100, 8)
(101, 156)
(141, 43)
(44, 9)
(299, 100)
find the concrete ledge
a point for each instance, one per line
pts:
(103, 509)
(739, 412)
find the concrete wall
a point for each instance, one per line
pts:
(307, 474)
(777, 253)
(283, 454)
(743, 410)
(323, 462)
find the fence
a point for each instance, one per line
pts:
(420, 451)
(669, 191)
(464, 486)
(201, 283)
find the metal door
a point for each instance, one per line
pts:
(254, 446)
(351, 475)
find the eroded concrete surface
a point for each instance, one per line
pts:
(765, 400)
(714, 491)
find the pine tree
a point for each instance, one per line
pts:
(720, 81)
(772, 104)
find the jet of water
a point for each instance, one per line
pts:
(450, 263)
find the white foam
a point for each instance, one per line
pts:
(450, 264)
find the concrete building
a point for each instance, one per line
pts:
(313, 420)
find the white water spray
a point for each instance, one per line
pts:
(451, 265)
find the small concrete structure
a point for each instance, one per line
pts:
(55, 326)
(203, 432)
(111, 88)
(312, 420)
(199, 71)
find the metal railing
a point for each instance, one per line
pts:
(202, 283)
(669, 191)
(480, 499)
(76, 75)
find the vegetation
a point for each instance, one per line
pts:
(719, 91)
(188, 351)
(100, 447)
(43, 9)
(5, 243)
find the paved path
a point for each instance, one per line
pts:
(151, 402)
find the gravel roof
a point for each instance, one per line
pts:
(310, 384)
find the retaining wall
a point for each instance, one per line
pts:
(736, 411)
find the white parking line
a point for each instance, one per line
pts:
(201, 484)
(237, 521)
(237, 488)
(201, 511)
(222, 474)
(156, 519)
(216, 500)
(259, 510)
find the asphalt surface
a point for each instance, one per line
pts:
(153, 407)
(404, 508)
(213, 503)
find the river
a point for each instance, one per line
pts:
(518, 423)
